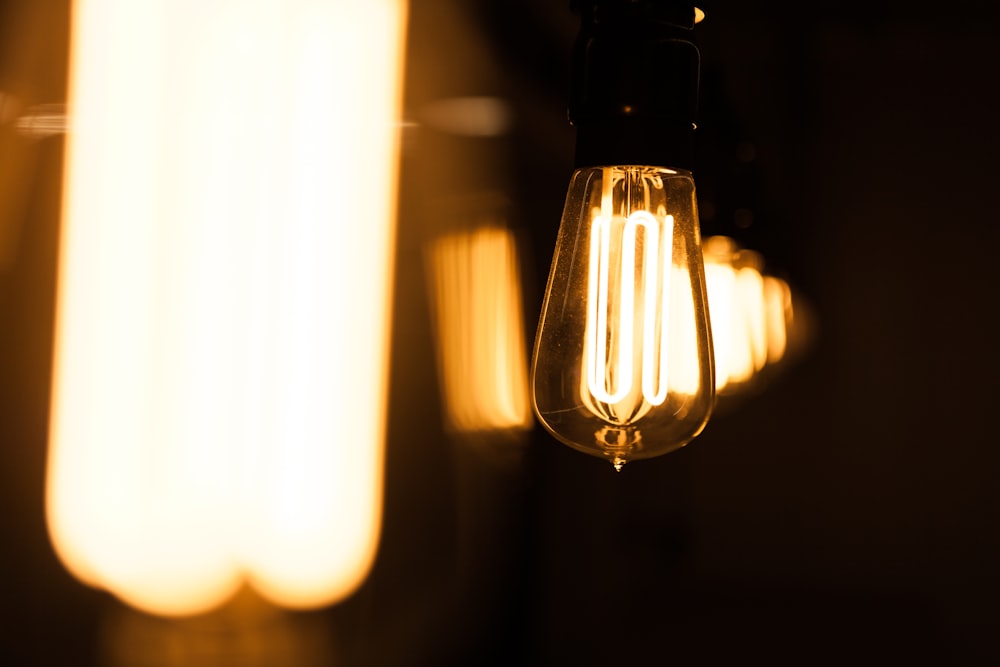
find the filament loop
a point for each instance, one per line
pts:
(655, 303)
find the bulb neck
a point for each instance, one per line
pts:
(634, 83)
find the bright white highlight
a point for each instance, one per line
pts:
(655, 304)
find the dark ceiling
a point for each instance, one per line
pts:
(847, 513)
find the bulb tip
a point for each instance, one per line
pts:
(618, 462)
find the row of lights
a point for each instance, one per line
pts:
(220, 375)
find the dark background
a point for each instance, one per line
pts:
(848, 512)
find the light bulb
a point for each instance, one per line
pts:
(482, 360)
(220, 371)
(622, 364)
(778, 305)
(736, 299)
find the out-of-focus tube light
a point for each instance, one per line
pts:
(778, 303)
(750, 313)
(223, 298)
(750, 286)
(476, 293)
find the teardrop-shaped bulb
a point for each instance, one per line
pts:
(623, 364)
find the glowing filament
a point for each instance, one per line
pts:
(654, 301)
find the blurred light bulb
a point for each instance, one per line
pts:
(739, 313)
(622, 364)
(476, 294)
(778, 303)
(750, 284)
(219, 378)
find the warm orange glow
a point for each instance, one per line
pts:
(733, 360)
(468, 116)
(750, 311)
(622, 367)
(778, 300)
(750, 287)
(738, 311)
(480, 330)
(223, 298)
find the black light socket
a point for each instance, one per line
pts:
(634, 83)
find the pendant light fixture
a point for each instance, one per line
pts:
(623, 362)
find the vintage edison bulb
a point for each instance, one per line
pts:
(623, 364)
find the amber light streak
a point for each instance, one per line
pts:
(224, 276)
(476, 293)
